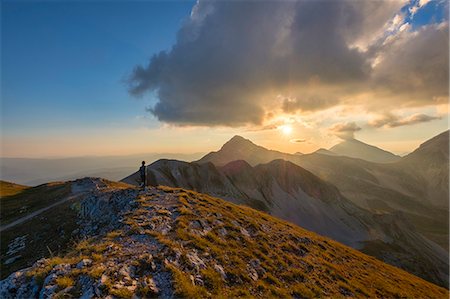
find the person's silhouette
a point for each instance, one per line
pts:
(143, 173)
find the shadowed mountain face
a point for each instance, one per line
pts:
(416, 185)
(430, 165)
(175, 243)
(290, 192)
(356, 149)
(400, 185)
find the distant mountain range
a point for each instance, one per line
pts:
(425, 184)
(239, 148)
(381, 211)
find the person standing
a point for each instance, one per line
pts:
(143, 173)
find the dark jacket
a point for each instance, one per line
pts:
(142, 171)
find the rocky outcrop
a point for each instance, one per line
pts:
(17, 285)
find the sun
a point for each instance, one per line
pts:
(287, 130)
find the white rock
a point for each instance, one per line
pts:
(220, 270)
(195, 261)
(84, 263)
(48, 291)
(245, 232)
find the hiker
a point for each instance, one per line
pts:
(143, 172)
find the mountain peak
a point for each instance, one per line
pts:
(324, 151)
(357, 149)
(238, 138)
(237, 141)
(240, 148)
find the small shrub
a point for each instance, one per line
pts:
(184, 287)
(64, 282)
(302, 291)
(114, 234)
(121, 293)
(97, 271)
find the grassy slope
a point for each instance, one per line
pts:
(326, 269)
(31, 199)
(294, 262)
(8, 189)
(47, 234)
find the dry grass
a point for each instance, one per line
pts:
(28, 200)
(114, 234)
(121, 293)
(39, 273)
(118, 185)
(8, 189)
(64, 282)
(97, 271)
(296, 262)
(184, 287)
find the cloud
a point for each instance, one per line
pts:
(297, 140)
(345, 130)
(235, 62)
(390, 120)
(410, 71)
(309, 102)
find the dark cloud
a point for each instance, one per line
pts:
(414, 65)
(308, 102)
(345, 130)
(236, 61)
(390, 120)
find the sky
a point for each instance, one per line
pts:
(123, 77)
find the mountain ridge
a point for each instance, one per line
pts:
(357, 149)
(240, 148)
(399, 179)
